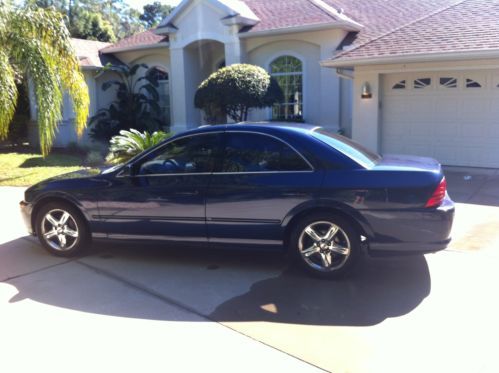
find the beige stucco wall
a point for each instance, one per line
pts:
(321, 86)
(309, 55)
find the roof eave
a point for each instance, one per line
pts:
(239, 20)
(246, 17)
(163, 44)
(412, 58)
(165, 30)
(344, 25)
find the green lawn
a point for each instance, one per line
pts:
(24, 169)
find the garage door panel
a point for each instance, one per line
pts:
(457, 126)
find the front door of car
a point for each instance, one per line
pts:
(260, 180)
(163, 197)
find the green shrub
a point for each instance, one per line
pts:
(234, 90)
(128, 144)
(136, 104)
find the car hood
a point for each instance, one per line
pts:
(407, 163)
(87, 172)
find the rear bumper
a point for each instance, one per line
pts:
(411, 231)
(26, 210)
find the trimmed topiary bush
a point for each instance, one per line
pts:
(234, 90)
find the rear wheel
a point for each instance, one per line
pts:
(326, 245)
(61, 229)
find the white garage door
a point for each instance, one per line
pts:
(452, 116)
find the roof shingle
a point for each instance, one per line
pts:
(145, 38)
(278, 14)
(87, 51)
(462, 26)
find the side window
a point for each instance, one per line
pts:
(249, 152)
(194, 154)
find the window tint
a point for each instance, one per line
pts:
(249, 152)
(194, 154)
(350, 148)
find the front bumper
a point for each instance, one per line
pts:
(411, 231)
(26, 211)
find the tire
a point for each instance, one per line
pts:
(325, 245)
(61, 229)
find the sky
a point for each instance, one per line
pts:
(138, 4)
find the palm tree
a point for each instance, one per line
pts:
(36, 43)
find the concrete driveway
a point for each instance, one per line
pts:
(151, 309)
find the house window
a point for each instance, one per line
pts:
(470, 83)
(448, 82)
(422, 83)
(160, 75)
(288, 72)
(399, 85)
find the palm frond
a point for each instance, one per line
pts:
(38, 41)
(128, 144)
(8, 98)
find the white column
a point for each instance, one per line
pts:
(233, 52)
(329, 95)
(178, 90)
(365, 120)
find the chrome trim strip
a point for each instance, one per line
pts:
(237, 220)
(175, 174)
(151, 218)
(262, 172)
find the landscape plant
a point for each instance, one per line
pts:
(234, 90)
(128, 144)
(36, 43)
(135, 105)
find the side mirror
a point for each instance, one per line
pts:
(126, 171)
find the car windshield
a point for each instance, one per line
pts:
(352, 149)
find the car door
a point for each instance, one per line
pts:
(260, 180)
(163, 197)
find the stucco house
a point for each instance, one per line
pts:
(400, 76)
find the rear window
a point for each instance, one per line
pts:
(351, 149)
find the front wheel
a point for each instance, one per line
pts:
(61, 229)
(326, 245)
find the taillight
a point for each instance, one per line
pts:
(438, 195)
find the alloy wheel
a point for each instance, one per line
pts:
(59, 230)
(324, 246)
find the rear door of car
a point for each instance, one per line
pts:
(164, 197)
(259, 180)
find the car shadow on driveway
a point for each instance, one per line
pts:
(378, 289)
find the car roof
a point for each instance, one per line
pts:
(254, 126)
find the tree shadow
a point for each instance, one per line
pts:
(52, 160)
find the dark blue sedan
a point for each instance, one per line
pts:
(293, 187)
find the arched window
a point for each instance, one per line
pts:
(160, 75)
(288, 71)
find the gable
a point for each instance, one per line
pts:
(230, 11)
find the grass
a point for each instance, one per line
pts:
(24, 169)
